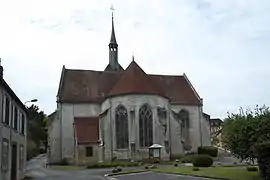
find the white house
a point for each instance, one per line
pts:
(12, 133)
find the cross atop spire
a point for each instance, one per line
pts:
(112, 9)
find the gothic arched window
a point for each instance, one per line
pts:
(185, 125)
(184, 116)
(146, 126)
(121, 127)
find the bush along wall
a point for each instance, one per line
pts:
(209, 150)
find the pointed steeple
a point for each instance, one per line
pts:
(113, 39)
(113, 52)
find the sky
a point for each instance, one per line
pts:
(223, 46)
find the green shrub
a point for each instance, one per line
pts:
(209, 150)
(187, 159)
(252, 168)
(202, 160)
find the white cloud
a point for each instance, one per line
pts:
(222, 45)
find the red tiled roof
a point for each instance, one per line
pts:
(176, 88)
(87, 129)
(87, 86)
(134, 81)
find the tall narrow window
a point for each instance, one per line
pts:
(3, 108)
(185, 125)
(16, 117)
(7, 111)
(5, 148)
(121, 127)
(145, 126)
(21, 165)
(23, 124)
(184, 115)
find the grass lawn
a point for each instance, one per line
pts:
(234, 173)
(69, 167)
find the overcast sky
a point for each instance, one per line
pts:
(222, 45)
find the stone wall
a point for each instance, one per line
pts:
(198, 130)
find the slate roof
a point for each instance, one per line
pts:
(216, 122)
(88, 86)
(87, 129)
(8, 89)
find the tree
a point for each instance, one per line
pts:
(242, 132)
(37, 121)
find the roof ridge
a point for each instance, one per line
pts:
(90, 70)
(166, 75)
(127, 82)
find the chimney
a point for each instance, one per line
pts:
(1, 70)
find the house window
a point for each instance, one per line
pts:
(121, 127)
(5, 148)
(16, 117)
(3, 108)
(146, 126)
(7, 111)
(89, 151)
(21, 157)
(23, 124)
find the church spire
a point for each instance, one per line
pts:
(113, 51)
(113, 39)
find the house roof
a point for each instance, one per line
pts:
(87, 129)
(88, 86)
(8, 89)
(215, 122)
(134, 81)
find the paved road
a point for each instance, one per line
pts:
(154, 176)
(37, 170)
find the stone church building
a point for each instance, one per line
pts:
(118, 113)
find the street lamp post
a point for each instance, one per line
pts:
(33, 100)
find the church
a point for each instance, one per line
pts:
(119, 113)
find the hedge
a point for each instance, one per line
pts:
(202, 160)
(209, 150)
